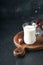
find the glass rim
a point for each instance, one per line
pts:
(28, 23)
(24, 24)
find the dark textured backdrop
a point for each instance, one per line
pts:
(13, 13)
(21, 8)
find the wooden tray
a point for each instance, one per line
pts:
(36, 46)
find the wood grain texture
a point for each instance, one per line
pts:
(36, 46)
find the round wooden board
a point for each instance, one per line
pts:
(36, 46)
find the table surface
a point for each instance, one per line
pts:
(8, 28)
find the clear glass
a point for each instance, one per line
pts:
(29, 33)
(39, 31)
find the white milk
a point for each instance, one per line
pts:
(29, 34)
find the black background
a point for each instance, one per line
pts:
(13, 13)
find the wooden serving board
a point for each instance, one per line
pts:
(36, 46)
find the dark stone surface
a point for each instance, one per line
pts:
(7, 31)
(12, 15)
(21, 8)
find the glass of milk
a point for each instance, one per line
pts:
(29, 33)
